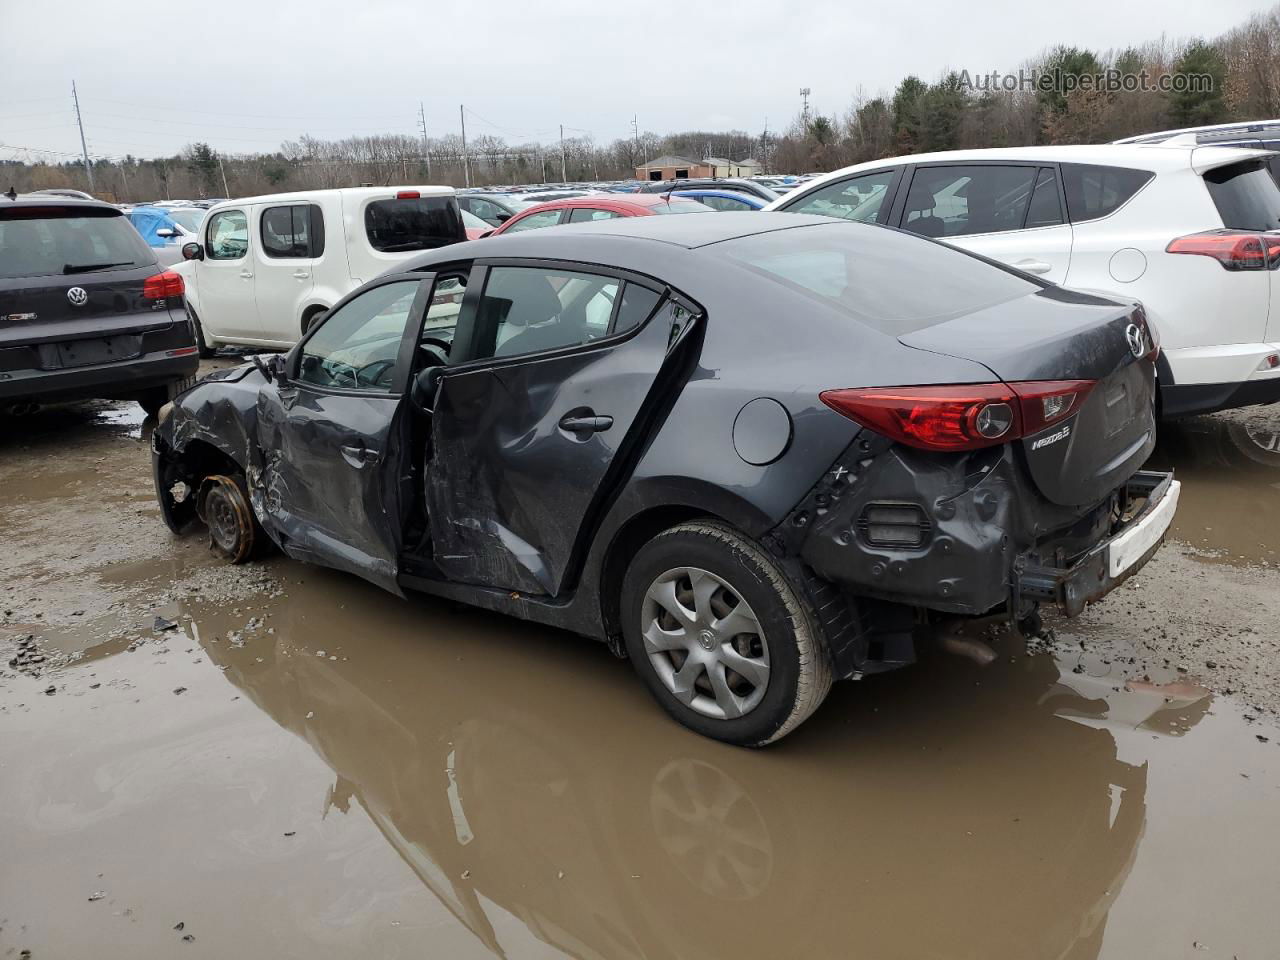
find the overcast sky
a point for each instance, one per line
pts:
(245, 75)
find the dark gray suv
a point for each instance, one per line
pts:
(85, 309)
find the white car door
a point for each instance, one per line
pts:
(284, 258)
(1009, 212)
(228, 311)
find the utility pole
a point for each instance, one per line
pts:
(635, 125)
(226, 191)
(804, 113)
(84, 148)
(426, 150)
(764, 148)
(564, 176)
(124, 179)
(466, 165)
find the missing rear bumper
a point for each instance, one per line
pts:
(1112, 561)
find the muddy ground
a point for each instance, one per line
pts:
(278, 761)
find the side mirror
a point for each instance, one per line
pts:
(167, 232)
(487, 233)
(423, 391)
(504, 217)
(192, 251)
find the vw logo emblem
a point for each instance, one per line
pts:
(78, 296)
(1137, 340)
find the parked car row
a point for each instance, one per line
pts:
(599, 427)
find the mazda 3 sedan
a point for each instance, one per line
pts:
(751, 454)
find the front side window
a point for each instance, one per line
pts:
(357, 345)
(412, 223)
(858, 198)
(286, 232)
(534, 309)
(964, 200)
(228, 235)
(546, 218)
(1094, 192)
(486, 210)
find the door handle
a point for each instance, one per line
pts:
(585, 424)
(358, 455)
(301, 274)
(246, 274)
(1034, 266)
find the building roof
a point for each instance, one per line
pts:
(670, 161)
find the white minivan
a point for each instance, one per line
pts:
(266, 267)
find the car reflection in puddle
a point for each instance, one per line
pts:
(943, 811)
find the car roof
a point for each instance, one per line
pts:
(1226, 129)
(595, 200)
(354, 192)
(565, 242)
(54, 200)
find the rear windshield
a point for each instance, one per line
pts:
(891, 281)
(1246, 196)
(39, 242)
(681, 206)
(421, 223)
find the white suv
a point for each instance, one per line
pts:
(1191, 231)
(266, 267)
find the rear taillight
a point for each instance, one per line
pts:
(163, 286)
(962, 416)
(1234, 249)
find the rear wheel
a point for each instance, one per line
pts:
(720, 635)
(197, 331)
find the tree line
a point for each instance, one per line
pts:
(952, 112)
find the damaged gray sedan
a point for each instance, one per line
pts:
(752, 454)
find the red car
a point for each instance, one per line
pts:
(604, 206)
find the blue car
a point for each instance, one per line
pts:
(723, 201)
(166, 229)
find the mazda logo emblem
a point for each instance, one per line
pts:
(78, 296)
(1137, 340)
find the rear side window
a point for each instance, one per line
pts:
(680, 206)
(962, 200)
(1094, 192)
(288, 231)
(1046, 208)
(637, 304)
(413, 223)
(38, 242)
(587, 214)
(875, 275)
(1246, 196)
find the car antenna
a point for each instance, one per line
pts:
(12, 194)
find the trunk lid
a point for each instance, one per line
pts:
(1060, 334)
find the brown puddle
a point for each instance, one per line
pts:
(1230, 467)
(460, 784)
(445, 783)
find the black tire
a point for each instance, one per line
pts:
(152, 400)
(198, 332)
(233, 529)
(799, 671)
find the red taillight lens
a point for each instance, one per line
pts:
(163, 285)
(408, 195)
(963, 416)
(933, 418)
(1234, 249)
